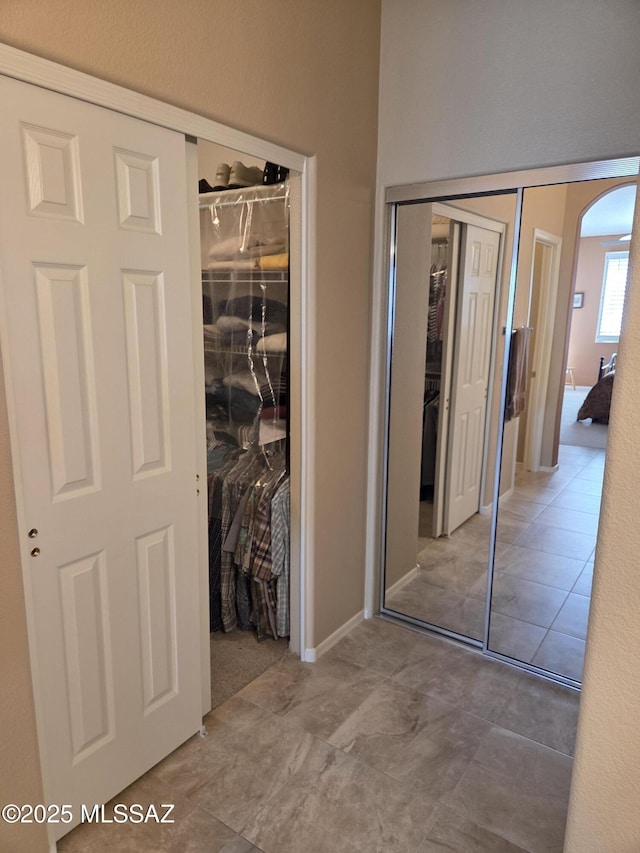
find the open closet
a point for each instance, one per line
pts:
(244, 253)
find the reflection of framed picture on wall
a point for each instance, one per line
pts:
(578, 299)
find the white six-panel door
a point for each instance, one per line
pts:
(97, 353)
(470, 380)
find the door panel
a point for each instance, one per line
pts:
(474, 326)
(97, 352)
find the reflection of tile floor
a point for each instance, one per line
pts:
(393, 742)
(543, 568)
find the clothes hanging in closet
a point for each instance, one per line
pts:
(248, 526)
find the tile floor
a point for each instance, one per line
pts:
(394, 742)
(542, 573)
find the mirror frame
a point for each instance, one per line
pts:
(445, 191)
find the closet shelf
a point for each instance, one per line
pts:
(239, 349)
(246, 195)
(231, 276)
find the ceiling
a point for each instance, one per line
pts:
(612, 214)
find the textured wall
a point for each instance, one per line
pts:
(505, 84)
(300, 73)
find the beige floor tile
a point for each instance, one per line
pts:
(414, 738)
(579, 501)
(573, 616)
(453, 833)
(510, 525)
(526, 510)
(424, 601)
(561, 654)
(193, 830)
(517, 789)
(570, 519)
(584, 487)
(526, 600)
(455, 570)
(530, 564)
(378, 645)
(553, 540)
(247, 754)
(542, 711)
(461, 677)
(334, 802)
(514, 638)
(467, 617)
(318, 697)
(585, 581)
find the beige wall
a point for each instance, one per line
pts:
(584, 353)
(477, 88)
(413, 252)
(542, 208)
(299, 73)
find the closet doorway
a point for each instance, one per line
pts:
(244, 208)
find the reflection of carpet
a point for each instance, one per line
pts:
(579, 433)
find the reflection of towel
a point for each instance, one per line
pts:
(517, 372)
(241, 247)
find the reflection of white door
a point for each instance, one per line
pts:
(96, 340)
(470, 380)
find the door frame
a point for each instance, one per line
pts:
(57, 78)
(541, 361)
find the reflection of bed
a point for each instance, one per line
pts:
(597, 403)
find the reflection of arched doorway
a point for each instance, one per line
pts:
(593, 325)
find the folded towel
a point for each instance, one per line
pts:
(273, 261)
(239, 248)
(273, 343)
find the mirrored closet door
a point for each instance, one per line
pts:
(449, 301)
(489, 520)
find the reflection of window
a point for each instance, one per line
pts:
(614, 285)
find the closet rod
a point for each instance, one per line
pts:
(235, 202)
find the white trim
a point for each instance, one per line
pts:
(404, 580)
(200, 472)
(311, 655)
(545, 321)
(460, 214)
(549, 469)
(307, 391)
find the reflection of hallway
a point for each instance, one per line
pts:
(542, 578)
(543, 567)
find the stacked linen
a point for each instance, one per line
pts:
(248, 253)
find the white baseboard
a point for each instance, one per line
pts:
(404, 580)
(312, 655)
(506, 495)
(548, 469)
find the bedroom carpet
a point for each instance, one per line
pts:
(580, 433)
